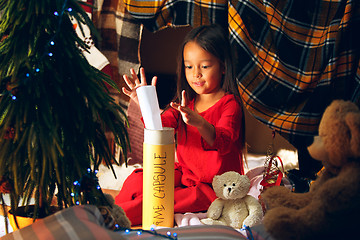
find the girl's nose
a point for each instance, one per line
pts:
(197, 73)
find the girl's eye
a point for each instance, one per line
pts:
(205, 67)
(188, 67)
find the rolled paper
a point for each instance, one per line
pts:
(149, 106)
(158, 178)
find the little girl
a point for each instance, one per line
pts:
(207, 116)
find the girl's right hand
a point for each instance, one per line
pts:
(133, 83)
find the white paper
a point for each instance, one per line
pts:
(149, 106)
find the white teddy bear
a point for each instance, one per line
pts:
(233, 207)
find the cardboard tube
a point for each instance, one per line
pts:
(158, 178)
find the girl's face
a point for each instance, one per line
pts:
(203, 70)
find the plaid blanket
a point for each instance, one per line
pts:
(293, 57)
(120, 37)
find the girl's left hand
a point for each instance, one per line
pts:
(189, 116)
(133, 83)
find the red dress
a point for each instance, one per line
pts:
(197, 162)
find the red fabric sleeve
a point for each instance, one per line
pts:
(227, 129)
(170, 118)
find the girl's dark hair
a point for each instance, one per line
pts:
(215, 40)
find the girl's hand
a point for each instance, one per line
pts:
(133, 83)
(189, 116)
(206, 130)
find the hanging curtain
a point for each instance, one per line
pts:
(293, 57)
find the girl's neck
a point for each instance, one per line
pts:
(205, 101)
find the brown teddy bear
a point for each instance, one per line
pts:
(331, 209)
(114, 216)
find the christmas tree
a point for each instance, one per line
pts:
(54, 107)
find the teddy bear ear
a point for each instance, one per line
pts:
(109, 198)
(353, 121)
(215, 179)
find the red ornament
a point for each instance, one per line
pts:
(273, 174)
(10, 133)
(5, 185)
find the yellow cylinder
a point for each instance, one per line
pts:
(158, 178)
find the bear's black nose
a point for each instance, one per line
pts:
(229, 189)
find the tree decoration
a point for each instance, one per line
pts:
(5, 185)
(87, 188)
(54, 106)
(272, 174)
(152, 231)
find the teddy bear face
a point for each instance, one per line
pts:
(231, 185)
(338, 131)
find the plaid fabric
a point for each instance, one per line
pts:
(78, 222)
(120, 36)
(292, 57)
(159, 14)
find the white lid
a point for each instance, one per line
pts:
(159, 137)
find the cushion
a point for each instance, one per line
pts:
(78, 222)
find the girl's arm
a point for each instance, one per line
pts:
(228, 126)
(206, 130)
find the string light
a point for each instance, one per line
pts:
(152, 231)
(51, 41)
(249, 234)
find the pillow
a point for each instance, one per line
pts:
(78, 222)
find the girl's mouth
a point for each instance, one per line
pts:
(199, 84)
